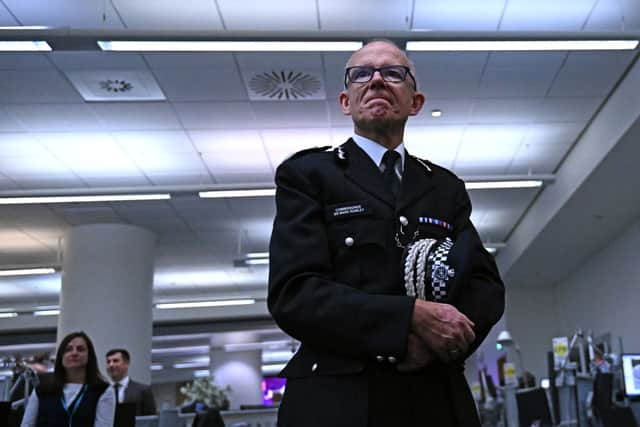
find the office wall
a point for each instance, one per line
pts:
(604, 295)
(532, 321)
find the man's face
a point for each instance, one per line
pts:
(378, 102)
(117, 368)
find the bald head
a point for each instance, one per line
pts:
(403, 59)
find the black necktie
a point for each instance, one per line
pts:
(389, 175)
(116, 387)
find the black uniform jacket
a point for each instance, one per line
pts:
(336, 284)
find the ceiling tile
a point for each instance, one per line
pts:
(438, 144)
(212, 60)
(35, 182)
(516, 82)
(454, 111)
(144, 142)
(487, 150)
(164, 15)
(42, 165)
(8, 123)
(233, 156)
(282, 143)
(501, 209)
(7, 184)
(212, 141)
(449, 83)
(290, 114)
(614, 16)
(215, 115)
(552, 60)
(136, 116)
(545, 15)
(149, 210)
(283, 15)
(590, 81)
(177, 177)
(510, 110)
(97, 60)
(65, 13)
(90, 154)
(20, 145)
(451, 15)
(266, 61)
(23, 61)
(6, 20)
(254, 212)
(615, 59)
(568, 109)
(36, 86)
(553, 133)
(201, 84)
(55, 117)
(425, 61)
(390, 15)
(538, 158)
(336, 117)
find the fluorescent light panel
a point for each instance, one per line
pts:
(7, 315)
(24, 46)
(488, 185)
(199, 304)
(46, 312)
(523, 45)
(225, 194)
(27, 271)
(229, 46)
(253, 255)
(81, 199)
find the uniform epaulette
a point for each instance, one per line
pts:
(307, 151)
(437, 166)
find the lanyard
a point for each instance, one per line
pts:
(74, 404)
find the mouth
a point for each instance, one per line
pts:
(377, 99)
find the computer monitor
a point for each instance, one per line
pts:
(631, 374)
(533, 407)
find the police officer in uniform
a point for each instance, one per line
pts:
(374, 352)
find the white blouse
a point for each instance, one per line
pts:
(105, 410)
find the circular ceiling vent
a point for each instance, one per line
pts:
(116, 86)
(285, 85)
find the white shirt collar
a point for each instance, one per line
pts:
(375, 151)
(123, 382)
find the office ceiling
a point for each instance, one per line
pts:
(503, 113)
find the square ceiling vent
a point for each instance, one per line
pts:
(116, 85)
(284, 84)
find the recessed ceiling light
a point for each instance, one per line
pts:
(46, 312)
(436, 113)
(229, 46)
(7, 315)
(520, 45)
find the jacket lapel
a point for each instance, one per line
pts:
(416, 181)
(364, 173)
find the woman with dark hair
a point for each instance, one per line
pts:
(79, 396)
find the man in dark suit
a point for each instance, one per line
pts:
(127, 390)
(376, 352)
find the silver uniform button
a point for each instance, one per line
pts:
(349, 241)
(379, 359)
(314, 367)
(404, 221)
(392, 359)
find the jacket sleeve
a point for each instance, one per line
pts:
(481, 298)
(305, 299)
(148, 401)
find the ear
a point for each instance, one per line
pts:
(345, 102)
(417, 103)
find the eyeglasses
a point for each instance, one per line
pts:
(389, 73)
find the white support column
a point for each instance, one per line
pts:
(107, 291)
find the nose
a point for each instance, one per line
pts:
(377, 78)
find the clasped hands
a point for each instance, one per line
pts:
(437, 331)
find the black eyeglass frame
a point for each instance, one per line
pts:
(407, 70)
